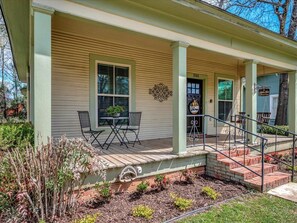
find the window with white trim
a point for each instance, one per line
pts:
(113, 88)
(225, 99)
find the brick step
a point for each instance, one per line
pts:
(246, 174)
(248, 160)
(233, 153)
(271, 180)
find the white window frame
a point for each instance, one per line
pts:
(111, 95)
(217, 96)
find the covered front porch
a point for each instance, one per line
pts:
(86, 56)
(161, 150)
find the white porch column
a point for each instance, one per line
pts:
(251, 96)
(292, 107)
(42, 75)
(179, 50)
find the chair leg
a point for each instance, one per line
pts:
(95, 139)
(125, 135)
(136, 138)
(85, 137)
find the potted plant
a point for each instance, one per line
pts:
(114, 111)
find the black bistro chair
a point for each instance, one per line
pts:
(85, 126)
(133, 126)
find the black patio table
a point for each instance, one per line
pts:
(114, 123)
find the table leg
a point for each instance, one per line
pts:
(115, 131)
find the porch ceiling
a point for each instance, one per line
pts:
(173, 21)
(16, 16)
(83, 27)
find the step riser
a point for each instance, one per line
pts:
(248, 162)
(233, 153)
(250, 175)
(268, 186)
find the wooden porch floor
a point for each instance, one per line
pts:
(160, 149)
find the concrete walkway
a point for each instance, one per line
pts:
(286, 191)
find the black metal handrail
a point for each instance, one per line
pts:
(245, 118)
(235, 140)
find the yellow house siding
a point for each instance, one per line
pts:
(70, 81)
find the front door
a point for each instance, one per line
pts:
(194, 92)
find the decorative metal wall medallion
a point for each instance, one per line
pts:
(160, 92)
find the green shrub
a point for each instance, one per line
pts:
(88, 219)
(143, 211)
(104, 190)
(142, 187)
(13, 135)
(181, 203)
(280, 131)
(208, 191)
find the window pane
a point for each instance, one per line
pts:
(122, 80)
(225, 110)
(225, 90)
(123, 101)
(103, 103)
(105, 79)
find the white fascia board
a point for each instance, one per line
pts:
(78, 10)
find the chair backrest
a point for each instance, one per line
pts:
(84, 119)
(263, 117)
(134, 118)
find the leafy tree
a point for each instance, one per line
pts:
(276, 15)
(9, 85)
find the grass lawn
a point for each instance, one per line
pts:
(255, 209)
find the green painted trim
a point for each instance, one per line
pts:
(203, 23)
(42, 9)
(242, 87)
(204, 78)
(154, 168)
(251, 97)
(179, 101)
(292, 101)
(216, 77)
(42, 78)
(92, 72)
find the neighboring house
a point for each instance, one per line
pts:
(86, 55)
(266, 103)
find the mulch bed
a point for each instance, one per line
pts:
(120, 206)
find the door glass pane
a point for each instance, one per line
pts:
(225, 110)
(103, 103)
(122, 80)
(105, 79)
(225, 90)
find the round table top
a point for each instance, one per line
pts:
(113, 118)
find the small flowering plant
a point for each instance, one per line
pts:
(187, 176)
(161, 183)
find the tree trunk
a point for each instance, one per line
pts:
(282, 107)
